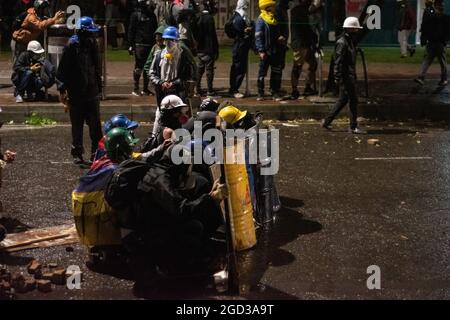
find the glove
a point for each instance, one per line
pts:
(219, 191)
(35, 68)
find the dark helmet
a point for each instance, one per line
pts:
(119, 144)
(209, 105)
(87, 24)
(120, 121)
(40, 4)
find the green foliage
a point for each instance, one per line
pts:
(37, 120)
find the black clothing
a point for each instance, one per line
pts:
(345, 75)
(302, 32)
(241, 47)
(80, 113)
(143, 25)
(347, 94)
(206, 37)
(207, 118)
(344, 58)
(433, 28)
(79, 70)
(79, 73)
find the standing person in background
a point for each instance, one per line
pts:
(244, 29)
(141, 31)
(80, 86)
(171, 69)
(406, 24)
(159, 45)
(112, 16)
(208, 46)
(434, 37)
(304, 42)
(271, 46)
(33, 25)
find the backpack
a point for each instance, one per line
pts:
(121, 191)
(229, 29)
(18, 21)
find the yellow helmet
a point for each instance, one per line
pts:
(263, 4)
(231, 114)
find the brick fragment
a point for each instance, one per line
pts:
(33, 266)
(59, 277)
(44, 285)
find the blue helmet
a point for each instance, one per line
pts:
(171, 33)
(87, 24)
(120, 121)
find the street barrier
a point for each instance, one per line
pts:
(239, 201)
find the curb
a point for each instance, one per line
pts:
(407, 109)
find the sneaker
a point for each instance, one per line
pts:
(238, 95)
(403, 56)
(309, 91)
(19, 99)
(412, 51)
(135, 93)
(419, 81)
(146, 92)
(356, 131)
(443, 83)
(211, 94)
(326, 126)
(295, 95)
(260, 97)
(78, 160)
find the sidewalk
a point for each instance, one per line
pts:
(393, 96)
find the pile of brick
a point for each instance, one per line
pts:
(40, 277)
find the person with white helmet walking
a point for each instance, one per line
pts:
(345, 75)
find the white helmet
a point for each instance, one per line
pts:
(172, 102)
(35, 47)
(352, 23)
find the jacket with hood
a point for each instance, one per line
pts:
(207, 42)
(143, 25)
(79, 70)
(32, 27)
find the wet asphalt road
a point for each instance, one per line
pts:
(347, 205)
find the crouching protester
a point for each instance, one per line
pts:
(167, 213)
(95, 220)
(32, 72)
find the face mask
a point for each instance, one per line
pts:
(170, 44)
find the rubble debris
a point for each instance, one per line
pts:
(52, 265)
(18, 282)
(30, 284)
(33, 267)
(59, 277)
(44, 285)
(373, 141)
(6, 276)
(47, 276)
